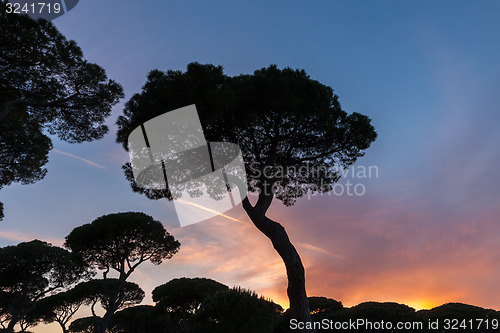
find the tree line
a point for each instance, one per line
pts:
(43, 283)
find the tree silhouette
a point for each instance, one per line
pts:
(142, 319)
(292, 130)
(102, 291)
(121, 242)
(30, 271)
(85, 325)
(45, 86)
(236, 310)
(472, 318)
(62, 306)
(184, 296)
(320, 308)
(59, 308)
(320, 305)
(387, 311)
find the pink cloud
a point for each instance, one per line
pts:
(26, 237)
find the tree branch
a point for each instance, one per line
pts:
(92, 308)
(312, 158)
(7, 105)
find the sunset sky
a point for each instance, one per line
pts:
(427, 229)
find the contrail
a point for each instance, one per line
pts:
(79, 158)
(209, 210)
(317, 249)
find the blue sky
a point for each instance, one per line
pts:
(426, 72)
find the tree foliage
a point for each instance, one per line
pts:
(281, 119)
(320, 305)
(292, 131)
(103, 290)
(121, 242)
(58, 308)
(30, 271)
(185, 295)
(62, 306)
(388, 311)
(236, 310)
(45, 86)
(461, 313)
(45, 72)
(136, 319)
(142, 319)
(23, 151)
(84, 325)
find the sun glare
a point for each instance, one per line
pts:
(421, 304)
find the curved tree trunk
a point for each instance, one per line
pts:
(16, 317)
(299, 304)
(105, 322)
(10, 327)
(63, 326)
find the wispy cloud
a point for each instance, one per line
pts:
(207, 209)
(320, 250)
(79, 158)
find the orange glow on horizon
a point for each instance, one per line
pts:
(422, 304)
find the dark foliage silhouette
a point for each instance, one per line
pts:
(319, 305)
(102, 291)
(185, 294)
(281, 119)
(59, 308)
(62, 306)
(121, 242)
(85, 325)
(31, 271)
(183, 297)
(236, 310)
(320, 308)
(464, 314)
(142, 319)
(45, 86)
